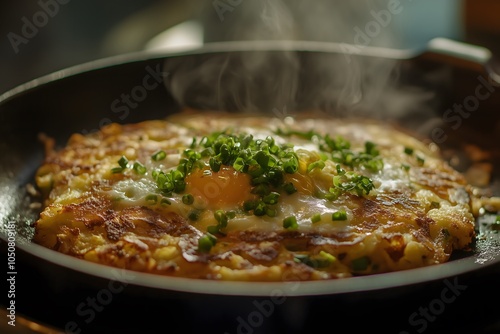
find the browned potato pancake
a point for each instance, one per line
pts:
(221, 196)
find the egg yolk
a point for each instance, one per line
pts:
(226, 188)
(303, 183)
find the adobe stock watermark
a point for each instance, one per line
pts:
(455, 116)
(127, 101)
(223, 6)
(31, 27)
(11, 273)
(364, 36)
(420, 319)
(249, 323)
(87, 310)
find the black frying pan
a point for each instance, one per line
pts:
(281, 78)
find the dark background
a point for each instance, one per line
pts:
(80, 31)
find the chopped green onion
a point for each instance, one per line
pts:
(187, 199)
(271, 198)
(333, 194)
(319, 164)
(408, 150)
(374, 165)
(221, 218)
(194, 215)
(316, 218)
(327, 256)
(370, 148)
(351, 182)
(123, 163)
(290, 223)
(290, 163)
(213, 229)
(260, 209)
(250, 205)
(173, 181)
(289, 188)
(271, 212)
(139, 168)
(152, 199)
(214, 165)
(321, 260)
(206, 242)
(267, 163)
(339, 215)
(165, 201)
(160, 155)
(116, 170)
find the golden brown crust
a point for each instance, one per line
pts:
(413, 218)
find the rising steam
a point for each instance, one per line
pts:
(277, 77)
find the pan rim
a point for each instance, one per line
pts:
(359, 284)
(213, 47)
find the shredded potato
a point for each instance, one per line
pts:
(301, 199)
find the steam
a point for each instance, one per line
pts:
(342, 84)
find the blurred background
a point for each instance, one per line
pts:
(40, 37)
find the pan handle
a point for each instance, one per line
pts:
(464, 53)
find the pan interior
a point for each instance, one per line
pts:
(84, 99)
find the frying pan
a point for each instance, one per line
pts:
(81, 297)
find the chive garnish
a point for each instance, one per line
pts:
(222, 218)
(206, 242)
(165, 201)
(289, 188)
(123, 163)
(319, 164)
(339, 215)
(321, 260)
(340, 151)
(139, 168)
(271, 198)
(262, 159)
(116, 170)
(194, 215)
(290, 223)
(187, 199)
(408, 150)
(152, 199)
(160, 155)
(352, 182)
(267, 163)
(316, 218)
